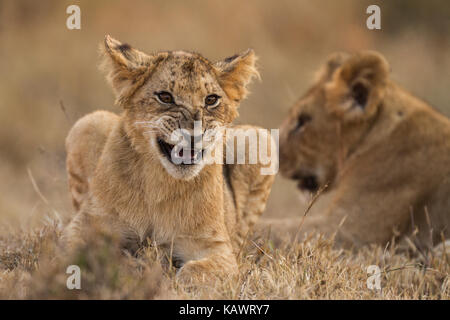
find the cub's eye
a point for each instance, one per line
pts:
(164, 97)
(302, 120)
(212, 100)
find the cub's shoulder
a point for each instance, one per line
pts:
(94, 125)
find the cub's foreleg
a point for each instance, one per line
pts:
(250, 183)
(206, 258)
(87, 228)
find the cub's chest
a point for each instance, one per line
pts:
(162, 217)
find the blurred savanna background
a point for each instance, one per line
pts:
(50, 74)
(50, 77)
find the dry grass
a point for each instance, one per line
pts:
(32, 266)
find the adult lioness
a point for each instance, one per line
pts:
(383, 154)
(122, 172)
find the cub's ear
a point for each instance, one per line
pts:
(126, 68)
(357, 87)
(236, 72)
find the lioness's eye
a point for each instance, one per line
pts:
(164, 97)
(302, 119)
(212, 100)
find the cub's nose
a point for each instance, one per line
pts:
(191, 118)
(192, 139)
(198, 115)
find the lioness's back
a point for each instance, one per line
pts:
(84, 145)
(380, 153)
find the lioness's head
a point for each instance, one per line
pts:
(325, 124)
(167, 93)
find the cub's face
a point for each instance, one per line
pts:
(329, 121)
(175, 101)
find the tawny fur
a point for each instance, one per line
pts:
(119, 179)
(384, 154)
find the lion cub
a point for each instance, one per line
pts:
(121, 168)
(383, 154)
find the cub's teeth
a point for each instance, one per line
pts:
(197, 155)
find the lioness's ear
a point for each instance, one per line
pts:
(126, 68)
(333, 62)
(357, 87)
(236, 72)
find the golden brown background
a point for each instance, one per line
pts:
(43, 65)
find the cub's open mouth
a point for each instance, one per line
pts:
(183, 156)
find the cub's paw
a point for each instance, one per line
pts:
(194, 272)
(204, 271)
